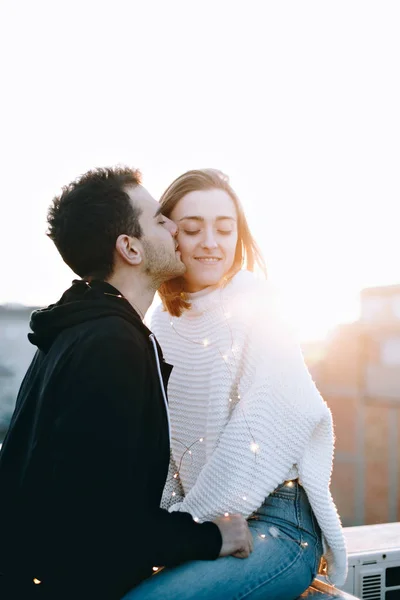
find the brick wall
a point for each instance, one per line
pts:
(366, 475)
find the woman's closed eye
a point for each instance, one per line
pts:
(195, 232)
(191, 232)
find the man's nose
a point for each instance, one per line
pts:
(173, 228)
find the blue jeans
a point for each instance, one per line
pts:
(285, 559)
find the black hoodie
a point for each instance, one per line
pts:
(86, 456)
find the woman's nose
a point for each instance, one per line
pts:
(209, 240)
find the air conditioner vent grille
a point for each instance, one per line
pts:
(371, 587)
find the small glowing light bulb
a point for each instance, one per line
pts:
(274, 531)
(155, 569)
(226, 514)
(176, 476)
(190, 452)
(205, 343)
(289, 484)
(36, 581)
(196, 519)
(244, 498)
(230, 399)
(262, 536)
(174, 493)
(201, 439)
(254, 447)
(238, 396)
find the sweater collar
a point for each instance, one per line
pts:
(212, 297)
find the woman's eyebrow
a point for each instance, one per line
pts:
(198, 218)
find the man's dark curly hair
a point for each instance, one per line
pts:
(87, 218)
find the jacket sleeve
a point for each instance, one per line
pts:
(102, 470)
(277, 410)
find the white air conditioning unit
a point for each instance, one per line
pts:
(374, 561)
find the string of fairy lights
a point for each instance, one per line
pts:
(273, 531)
(254, 446)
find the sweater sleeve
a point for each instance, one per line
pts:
(277, 411)
(103, 467)
(173, 491)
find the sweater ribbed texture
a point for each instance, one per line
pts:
(240, 385)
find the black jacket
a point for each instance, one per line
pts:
(86, 456)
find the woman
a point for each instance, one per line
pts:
(250, 432)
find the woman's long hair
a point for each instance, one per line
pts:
(247, 253)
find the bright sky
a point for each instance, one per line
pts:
(297, 101)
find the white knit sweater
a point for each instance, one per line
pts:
(245, 413)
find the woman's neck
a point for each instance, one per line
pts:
(203, 292)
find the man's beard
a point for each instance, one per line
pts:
(161, 263)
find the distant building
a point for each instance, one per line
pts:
(16, 352)
(359, 377)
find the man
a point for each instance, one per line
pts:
(86, 456)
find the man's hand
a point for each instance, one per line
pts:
(236, 536)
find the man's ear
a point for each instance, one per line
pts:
(129, 249)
